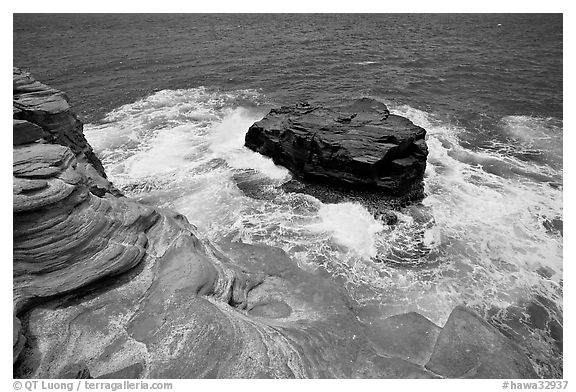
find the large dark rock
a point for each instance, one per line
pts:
(357, 144)
(469, 347)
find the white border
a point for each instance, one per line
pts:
(253, 6)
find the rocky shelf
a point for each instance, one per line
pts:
(107, 287)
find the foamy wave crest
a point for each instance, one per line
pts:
(351, 226)
(227, 142)
(173, 134)
(136, 123)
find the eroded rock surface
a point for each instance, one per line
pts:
(357, 144)
(469, 347)
(43, 113)
(410, 336)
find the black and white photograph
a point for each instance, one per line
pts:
(287, 195)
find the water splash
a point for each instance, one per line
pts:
(227, 142)
(351, 226)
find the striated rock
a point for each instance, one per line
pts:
(64, 236)
(26, 132)
(358, 144)
(469, 347)
(391, 368)
(194, 319)
(36, 105)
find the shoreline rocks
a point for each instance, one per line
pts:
(105, 286)
(469, 347)
(357, 145)
(43, 113)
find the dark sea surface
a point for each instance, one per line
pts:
(167, 99)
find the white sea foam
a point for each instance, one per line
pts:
(351, 226)
(173, 132)
(181, 148)
(536, 135)
(488, 213)
(227, 141)
(534, 130)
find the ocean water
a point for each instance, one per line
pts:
(167, 99)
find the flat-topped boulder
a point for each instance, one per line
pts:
(358, 144)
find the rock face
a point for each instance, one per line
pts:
(70, 230)
(107, 287)
(43, 113)
(358, 144)
(64, 236)
(410, 336)
(469, 347)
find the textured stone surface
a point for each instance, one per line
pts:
(18, 339)
(49, 108)
(132, 371)
(187, 314)
(75, 371)
(354, 144)
(24, 132)
(469, 347)
(64, 236)
(410, 336)
(36, 105)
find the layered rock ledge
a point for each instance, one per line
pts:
(108, 287)
(356, 144)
